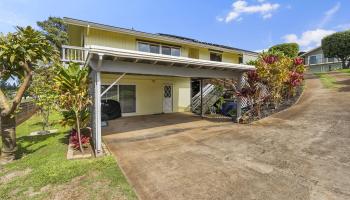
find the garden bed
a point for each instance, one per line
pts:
(267, 110)
(74, 151)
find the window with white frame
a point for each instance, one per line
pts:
(124, 94)
(158, 48)
(315, 59)
(215, 56)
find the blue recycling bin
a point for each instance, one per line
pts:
(227, 107)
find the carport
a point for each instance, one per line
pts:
(120, 61)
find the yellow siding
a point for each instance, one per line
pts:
(204, 54)
(230, 57)
(110, 39)
(149, 92)
(123, 41)
(75, 35)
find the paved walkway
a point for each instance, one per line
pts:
(300, 153)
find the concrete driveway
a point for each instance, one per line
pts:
(300, 153)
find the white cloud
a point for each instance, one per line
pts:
(308, 39)
(328, 15)
(241, 7)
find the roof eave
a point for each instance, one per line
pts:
(149, 35)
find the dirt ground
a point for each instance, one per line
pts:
(300, 153)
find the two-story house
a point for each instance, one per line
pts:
(148, 73)
(317, 62)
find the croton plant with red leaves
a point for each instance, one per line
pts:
(280, 75)
(298, 61)
(74, 140)
(295, 79)
(270, 59)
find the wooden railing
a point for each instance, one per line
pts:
(74, 54)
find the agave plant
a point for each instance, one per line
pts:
(72, 84)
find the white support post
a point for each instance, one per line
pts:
(201, 90)
(97, 108)
(239, 98)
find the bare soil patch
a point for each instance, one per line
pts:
(14, 174)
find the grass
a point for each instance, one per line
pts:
(344, 71)
(327, 80)
(51, 173)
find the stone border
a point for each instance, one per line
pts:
(71, 156)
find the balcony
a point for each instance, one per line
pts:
(81, 55)
(74, 54)
(321, 61)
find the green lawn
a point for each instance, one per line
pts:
(344, 71)
(43, 172)
(327, 80)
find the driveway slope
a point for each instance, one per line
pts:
(300, 153)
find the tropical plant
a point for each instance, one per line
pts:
(290, 50)
(273, 70)
(296, 76)
(219, 104)
(43, 94)
(55, 31)
(20, 53)
(69, 118)
(337, 45)
(75, 140)
(71, 83)
(252, 90)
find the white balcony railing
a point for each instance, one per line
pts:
(74, 54)
(319, 61)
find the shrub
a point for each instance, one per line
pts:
(74, 139)
(275, 72)
(290, 50)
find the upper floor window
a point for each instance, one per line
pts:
(214, 56)
(158, 48)
(315, 59)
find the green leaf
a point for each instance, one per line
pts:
(12, 58)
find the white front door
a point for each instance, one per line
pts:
(167, 99)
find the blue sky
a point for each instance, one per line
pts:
(248, 24)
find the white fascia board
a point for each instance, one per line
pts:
(93, 49)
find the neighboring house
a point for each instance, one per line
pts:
(317, 62)
(148, 73)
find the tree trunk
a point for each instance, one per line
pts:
(8, 137)
(348, 65)
(78, 131)
(343, 62)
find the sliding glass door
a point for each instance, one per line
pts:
(124, 94)
(127, 98)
